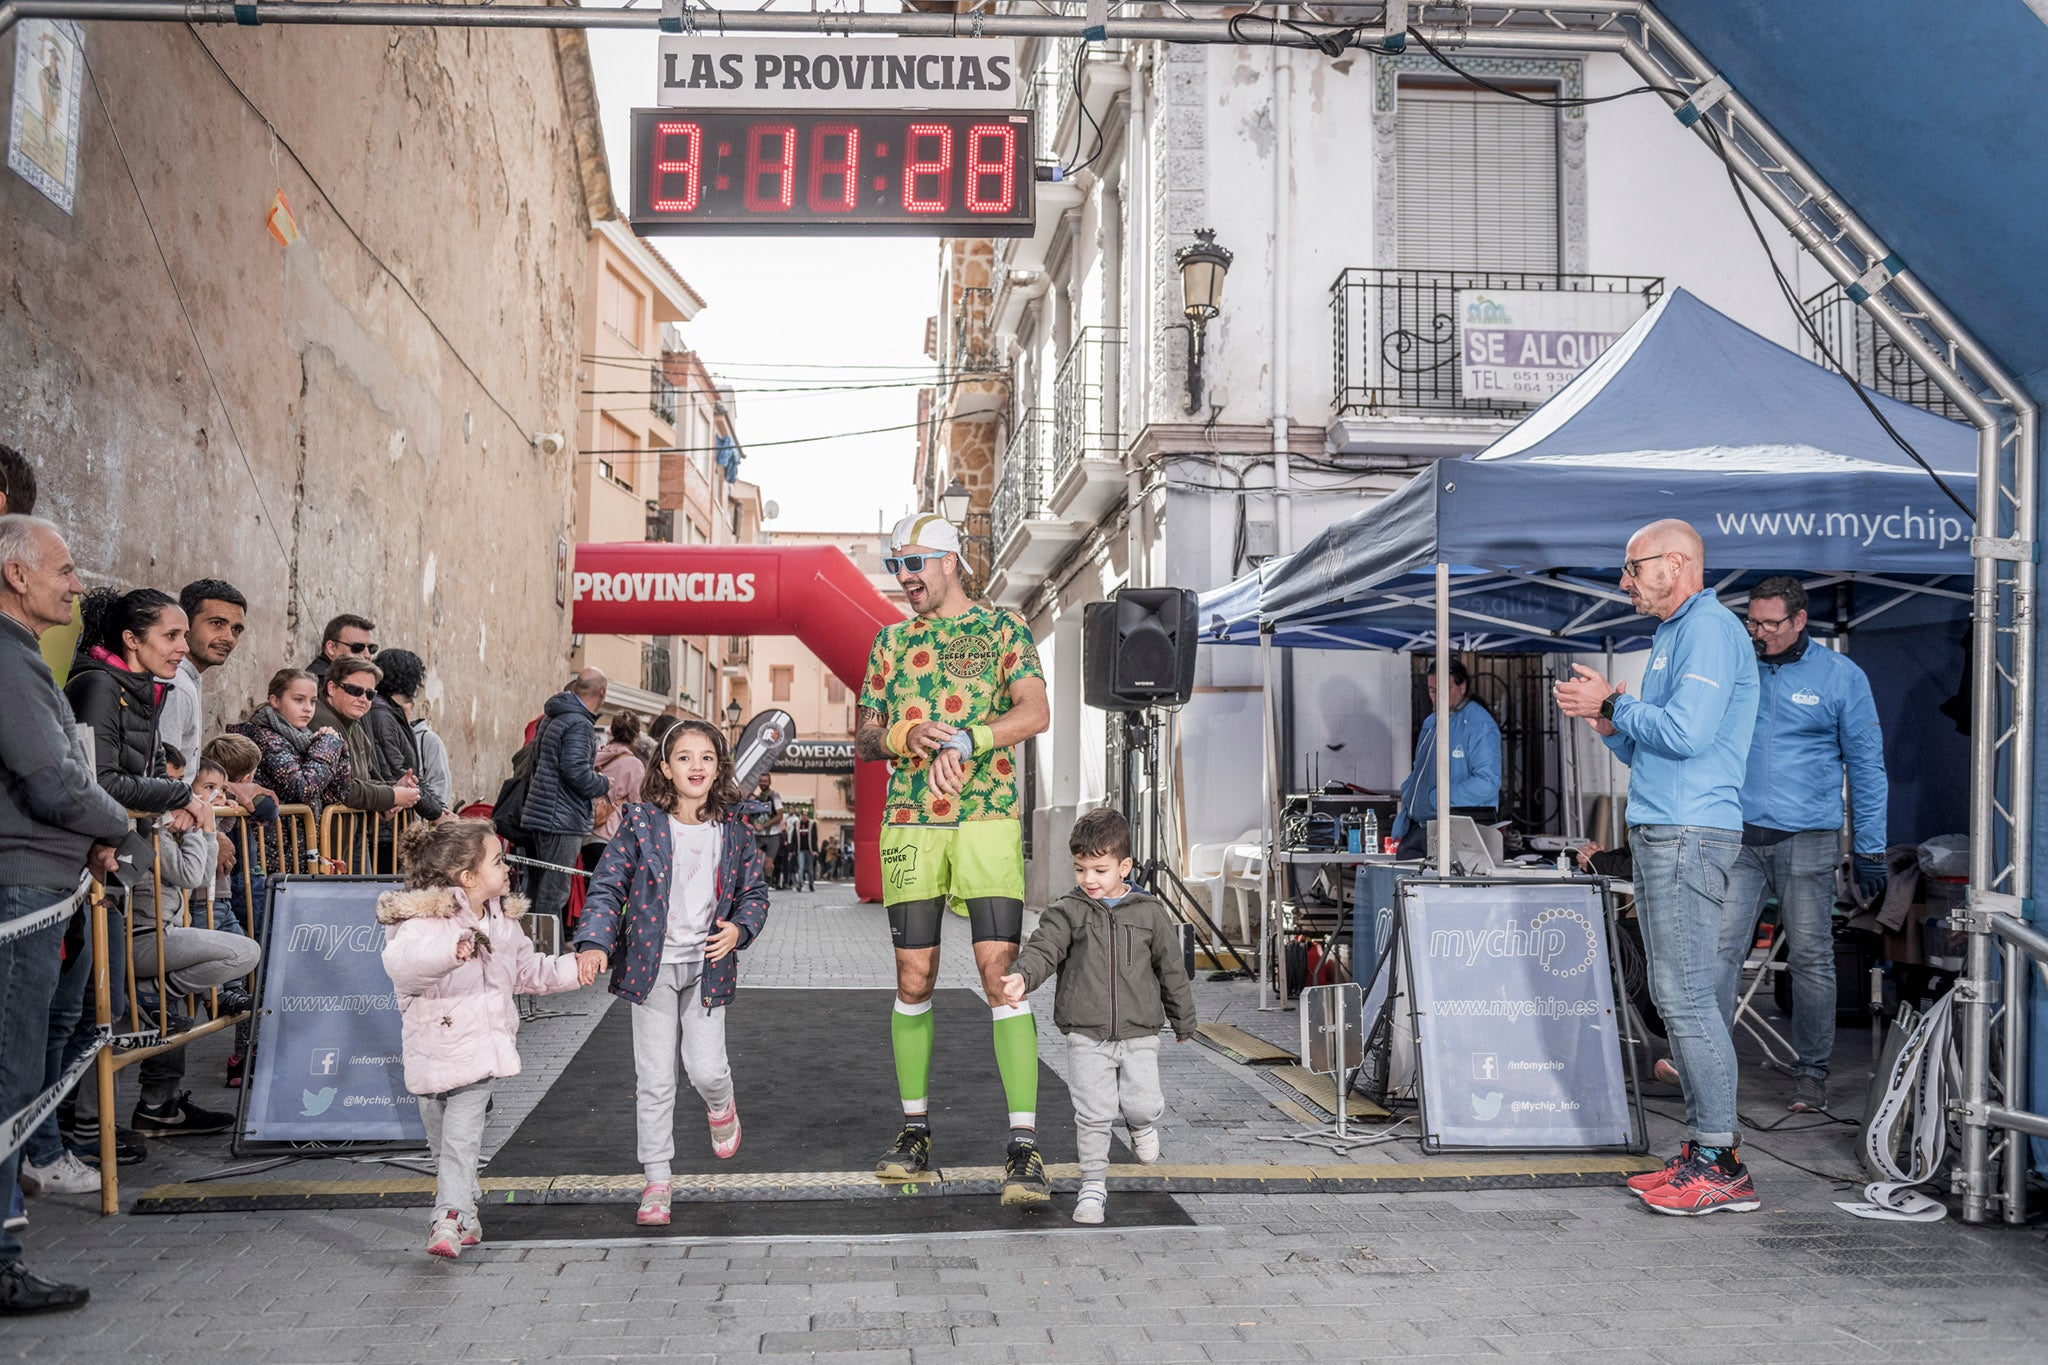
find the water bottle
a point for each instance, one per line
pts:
(1353, 834)
(1371, 838)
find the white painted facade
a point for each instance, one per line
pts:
(1294, 160)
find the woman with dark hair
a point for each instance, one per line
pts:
(388, 722)
(129, 648)
(678, 893)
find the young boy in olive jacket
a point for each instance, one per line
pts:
(1122, 976)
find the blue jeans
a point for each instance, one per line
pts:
(28, 977)
(1681, 880)
(71, 1033)
(1800, 872)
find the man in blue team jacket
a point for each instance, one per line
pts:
(1814, 719)
(1686, 743)
(1475, 767)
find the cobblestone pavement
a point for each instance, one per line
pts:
(1579, 1274)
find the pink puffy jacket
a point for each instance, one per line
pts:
(461, 1024)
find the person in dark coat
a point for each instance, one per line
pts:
(394, 748)
(564, 784)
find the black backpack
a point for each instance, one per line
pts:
(511, 803)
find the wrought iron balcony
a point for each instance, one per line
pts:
(1021, 486)
(1087, 401)
(1863, 349)
(973, 348)
(1395, 335)
(655, 672)
(661, 400)
(739, 650)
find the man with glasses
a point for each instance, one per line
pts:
(1815, 720)
(346, 636)
(947, 696)
(345, 697)
(1686, 743)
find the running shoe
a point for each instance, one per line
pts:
(725, 1130)
(444, 1238)
(1145, 1144)
(1650, 1180)
(910, 1158)
(1809, 1096)
(66, 1175)
(1093, 1201)
(179, 1117)
(1701, 1187)
(84, 1140)
(472, 1229)
(654, 1206)
(1024, 1179)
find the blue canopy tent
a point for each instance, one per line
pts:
(1689, 414)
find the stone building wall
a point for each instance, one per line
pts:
(352, 427)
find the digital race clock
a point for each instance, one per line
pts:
(762, 172)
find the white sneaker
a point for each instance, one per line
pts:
(1145, 1144)
(444, 1238)
(1089, 1207)
(66, 1175)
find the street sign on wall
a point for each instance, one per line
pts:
(1523, 345)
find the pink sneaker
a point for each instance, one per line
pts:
(445, 1238)
(654, 1203)
(725, 1130)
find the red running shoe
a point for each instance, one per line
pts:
(1703, 1187)
(1651, 1180)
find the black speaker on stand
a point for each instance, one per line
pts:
(1137, 655)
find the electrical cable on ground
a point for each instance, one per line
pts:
(205, 362)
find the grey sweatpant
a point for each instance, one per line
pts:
(1108, 1079)
(672, 1023)
(455, 1133)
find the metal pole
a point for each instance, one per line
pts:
(1270, 797)
(1443, 719)
(1613, 831)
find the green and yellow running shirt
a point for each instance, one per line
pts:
(956, 670)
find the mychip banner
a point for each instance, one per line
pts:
(1517, 1034)
(328, 1064)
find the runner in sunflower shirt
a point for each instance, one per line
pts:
(948, 693)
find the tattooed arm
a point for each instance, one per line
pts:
(871, 735)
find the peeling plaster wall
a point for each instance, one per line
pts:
(380, 458)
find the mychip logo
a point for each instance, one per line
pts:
(1561, 940)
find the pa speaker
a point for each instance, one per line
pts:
(1138, 649)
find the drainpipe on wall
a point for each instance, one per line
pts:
(1283, 230)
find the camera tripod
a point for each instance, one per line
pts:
(1140, 805)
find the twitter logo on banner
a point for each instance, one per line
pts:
(317, 1101)
(1484, 1107)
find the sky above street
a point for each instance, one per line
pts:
(790, 314)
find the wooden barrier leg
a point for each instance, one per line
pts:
(103, 1065)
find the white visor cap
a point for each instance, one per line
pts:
(927, 529)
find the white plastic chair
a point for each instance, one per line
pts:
(1244, 886)
(1204, 876)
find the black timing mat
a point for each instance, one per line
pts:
(817, 1092)
(824, 1218)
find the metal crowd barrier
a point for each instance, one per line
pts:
(362, 843)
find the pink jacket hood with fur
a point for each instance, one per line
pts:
(461, 1023)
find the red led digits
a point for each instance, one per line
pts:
(938, 169)
(1001, 167)
(843, 168)
(776, 166)
(671, 164)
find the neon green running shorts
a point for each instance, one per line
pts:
(975, 868)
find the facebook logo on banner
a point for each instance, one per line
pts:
(328, 1063)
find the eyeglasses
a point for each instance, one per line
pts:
(910, 563)
(359, 693)
(358, 647)
(1757, 623)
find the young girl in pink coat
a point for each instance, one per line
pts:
(454, 949)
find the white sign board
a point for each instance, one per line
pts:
(1523, 345)
(42, 127)
(700, 71)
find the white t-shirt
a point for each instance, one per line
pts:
(692, 889)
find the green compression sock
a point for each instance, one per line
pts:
(911, 1033)
(1017, 1060)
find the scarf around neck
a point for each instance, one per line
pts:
(266, 716)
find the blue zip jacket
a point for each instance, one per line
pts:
(1686, 738)
(1475, 767)
(1814, 718)
(626, 912)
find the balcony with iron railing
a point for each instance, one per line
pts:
(977, 543)
(1027, 536)
(1395, 335)
(661, 398)
(739, 652)
(1865, 350)
(1087, 429)
(656, 674)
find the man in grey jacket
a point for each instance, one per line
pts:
(55, 822)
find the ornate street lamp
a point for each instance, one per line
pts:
(1203, 264)
(955, 501)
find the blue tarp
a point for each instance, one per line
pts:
(1690, 414)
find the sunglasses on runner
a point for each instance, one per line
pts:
(359, 693)
(912, 563)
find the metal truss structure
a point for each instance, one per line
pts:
(2002, 948)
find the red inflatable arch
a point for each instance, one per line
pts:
(813, 592)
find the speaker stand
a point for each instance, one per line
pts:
(1141, 746)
